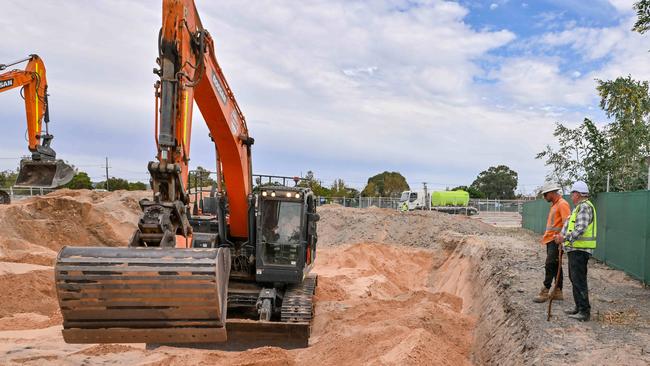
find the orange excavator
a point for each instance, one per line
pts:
(238, 270)
(43, 169)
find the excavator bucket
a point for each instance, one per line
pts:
(143, 295)
(43, 173)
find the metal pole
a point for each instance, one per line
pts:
(427, 201)
(648, 161)
(608, 181)
(107, 173)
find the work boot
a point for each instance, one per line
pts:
(542, 296)
(571, 311)
(557, 294)
(580, 316)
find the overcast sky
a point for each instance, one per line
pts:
(436, 90)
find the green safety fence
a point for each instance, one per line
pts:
(623, 229)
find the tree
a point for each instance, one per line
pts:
(200, 178)
(619, 149)
(386, 184)
(473, 192)
(8, 178)
(628, 103)
(642, 24)
(497, 182)
(339, 189)
(137, 186)
(80, 180)
(310, 181)
(114, 184)
(584, 154)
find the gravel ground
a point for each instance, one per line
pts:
(619, 332)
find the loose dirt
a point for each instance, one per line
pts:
(394, 288)
(33, 230)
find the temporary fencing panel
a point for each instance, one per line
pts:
(623, 229)
(534, 215)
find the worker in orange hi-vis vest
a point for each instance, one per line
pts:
(558, 214)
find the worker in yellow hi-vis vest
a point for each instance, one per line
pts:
(578, 237)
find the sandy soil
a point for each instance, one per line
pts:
(419, 288)
(33, 230)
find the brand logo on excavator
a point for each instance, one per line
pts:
(234, 122)
(6, 83)
(217, 84)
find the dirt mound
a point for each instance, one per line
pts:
(344, 225)
(33, 230)
(31, 292)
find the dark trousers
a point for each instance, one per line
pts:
(551, 265)
(578, 275)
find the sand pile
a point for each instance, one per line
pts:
(341, 225)
(33, 230)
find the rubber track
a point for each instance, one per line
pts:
(297, 305)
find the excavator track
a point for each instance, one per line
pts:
(293, 329)
(297, 306)
(142, 295)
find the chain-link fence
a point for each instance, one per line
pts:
(17, 193)
(482, 205)
(360, 202)
(496, 205)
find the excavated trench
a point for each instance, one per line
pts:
(472, 272)
(394, 289)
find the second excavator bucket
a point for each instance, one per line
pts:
(43, 173)
(143, 295)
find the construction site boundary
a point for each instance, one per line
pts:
(482, 205)
(623, 229)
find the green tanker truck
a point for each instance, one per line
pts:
(454, 202)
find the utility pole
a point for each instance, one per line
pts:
(107, 173)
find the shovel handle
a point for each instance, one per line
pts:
(557, 278)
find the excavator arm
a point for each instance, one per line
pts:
(189, 72)
(33, 80)
(43, 170)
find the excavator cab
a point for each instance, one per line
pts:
(286, 238)
(270, 297)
